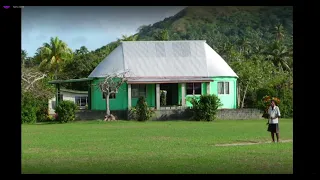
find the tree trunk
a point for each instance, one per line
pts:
(244, 96)
(107, 104)
(55, 74)
(23, 63)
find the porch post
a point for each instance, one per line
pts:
(129, 96)
(183, 94)
(208, 88)
(57, 94)
(158, 96)
(89, 96)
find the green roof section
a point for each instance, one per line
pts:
(70, 80)
(74, 91)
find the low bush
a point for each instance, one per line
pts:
(28, 109)
(205, 109)
(142, 112)
(66, 111)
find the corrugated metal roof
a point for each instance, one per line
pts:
(74, 91)
(169, 80)
(164, 59)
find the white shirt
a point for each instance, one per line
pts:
(275, 112)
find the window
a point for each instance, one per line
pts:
(112, 96)
(193, 88)
(81, 101)
(223, 88)
(138, 90)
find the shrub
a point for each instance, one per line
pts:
(286, 106)
(142, 112)
(51, 118)
(28, 109)
(205, 108)
(42, 110)
(28, 114)
(261, 93)
(66, 111)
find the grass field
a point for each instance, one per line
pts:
(155, 147)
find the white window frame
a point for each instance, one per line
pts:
(133, 88)
(81, 97)
(193, 90)
(224, 88)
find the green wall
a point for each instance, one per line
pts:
(98, 103)
(188, 103)
(151, 96)
(229, 101)
(121, 100)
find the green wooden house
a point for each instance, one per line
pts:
(182, 68)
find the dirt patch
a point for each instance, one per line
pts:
(167, 138)
(250, 143)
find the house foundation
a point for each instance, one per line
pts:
(173, 113)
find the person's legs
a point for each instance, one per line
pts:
(272, 136)
(277, 132)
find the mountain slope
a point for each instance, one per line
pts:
(220, 25)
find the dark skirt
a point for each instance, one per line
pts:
(274, 128)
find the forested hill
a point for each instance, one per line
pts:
(255, 41)
(223, 27)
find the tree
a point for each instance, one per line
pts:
(162, 35)
(23, 57)
(279, 32)
(82, 51)
(34, 82)
(279, 55)
(244, 45)
(128, 38)
(111, 85)
(252, 75)
(53, 55)
(29, 77)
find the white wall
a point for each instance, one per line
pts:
(67, 96)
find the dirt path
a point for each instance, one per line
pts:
(251, 143)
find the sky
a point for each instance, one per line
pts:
(90, 26)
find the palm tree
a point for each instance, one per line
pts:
(244, 44)
(279, 55)
(54, 54)
(279, 32)
(23, 57)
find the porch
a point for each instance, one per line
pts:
(59, 98)
(177, 89)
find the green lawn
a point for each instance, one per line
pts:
(155, 147)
